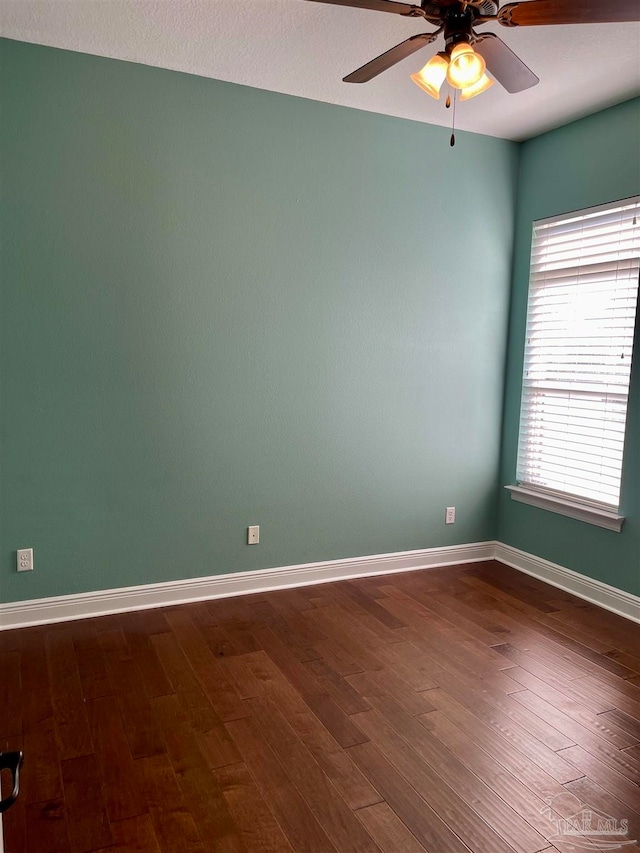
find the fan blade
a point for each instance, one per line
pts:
(379, 6)
(538, 12)
(386, 60)
(503, 64)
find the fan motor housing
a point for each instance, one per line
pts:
(439, 9)
(458, 28)
(486, 7)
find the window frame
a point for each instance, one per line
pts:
(565, 503)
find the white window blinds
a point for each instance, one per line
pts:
(580, 325)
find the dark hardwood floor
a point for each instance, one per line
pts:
(450, 710)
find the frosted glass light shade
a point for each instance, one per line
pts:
(431, 78)
(466, 66)
(478, 88)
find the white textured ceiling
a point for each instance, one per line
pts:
(305, 48)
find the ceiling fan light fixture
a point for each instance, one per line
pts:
(432, 76)
(484, 83)
(466, 67)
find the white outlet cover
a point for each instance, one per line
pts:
(24, 560)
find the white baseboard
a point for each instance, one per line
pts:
(44, 611)
(596, 592)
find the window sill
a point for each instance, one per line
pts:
(563, 506)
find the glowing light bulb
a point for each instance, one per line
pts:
(466, 66)
(478, 88)
(431, 77)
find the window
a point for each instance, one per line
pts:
(580, 324)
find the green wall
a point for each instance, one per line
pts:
(222, 306)
(585, 163)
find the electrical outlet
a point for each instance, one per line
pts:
(25, 560)
(450, 515)
(253, 535)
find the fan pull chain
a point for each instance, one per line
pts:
(452, 141)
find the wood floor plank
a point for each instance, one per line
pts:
(370, 585)
(218, 689)
(473, 810)
(465, 618)
(561, 693)
(630, 662)
(516, 753)
(570, 655)
(289, 601)
(612, 781)
(217, 639)
(355, 789)
(524, 589)
(241, 636)
(581, 727)
(14, 824)
(340, 625)
(43, 779)
(10, 696)
(623, 693)
(598, 697)
(594, 621)
(379, 684)
(336, 818)
(90, 661)
(387, 830)
(633, 752)
(424, 823)
(465, 657)
(408, 664)
(337, 657)
(200, 789)
(153, 621)
(498, 595)
(137, 716)
(123, 792)
(513, 791)
(260, 830)
(294, 815)
(47, 829)
(11, 640)
(371, 605)
(591, 794)
(323, 706)
(573, 659)
(527, 637)
(134, 833)
(618, 759)
(445, 613)
(531, 734)
(240, 676)
(88, 820)
(623, 721)
(297, 633)
(139, 630)
(602, 645)
(215, 742)
(173, 822)
(535, 661)
(71, 723)
(336, 686)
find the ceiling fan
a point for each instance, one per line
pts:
(468, 55)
